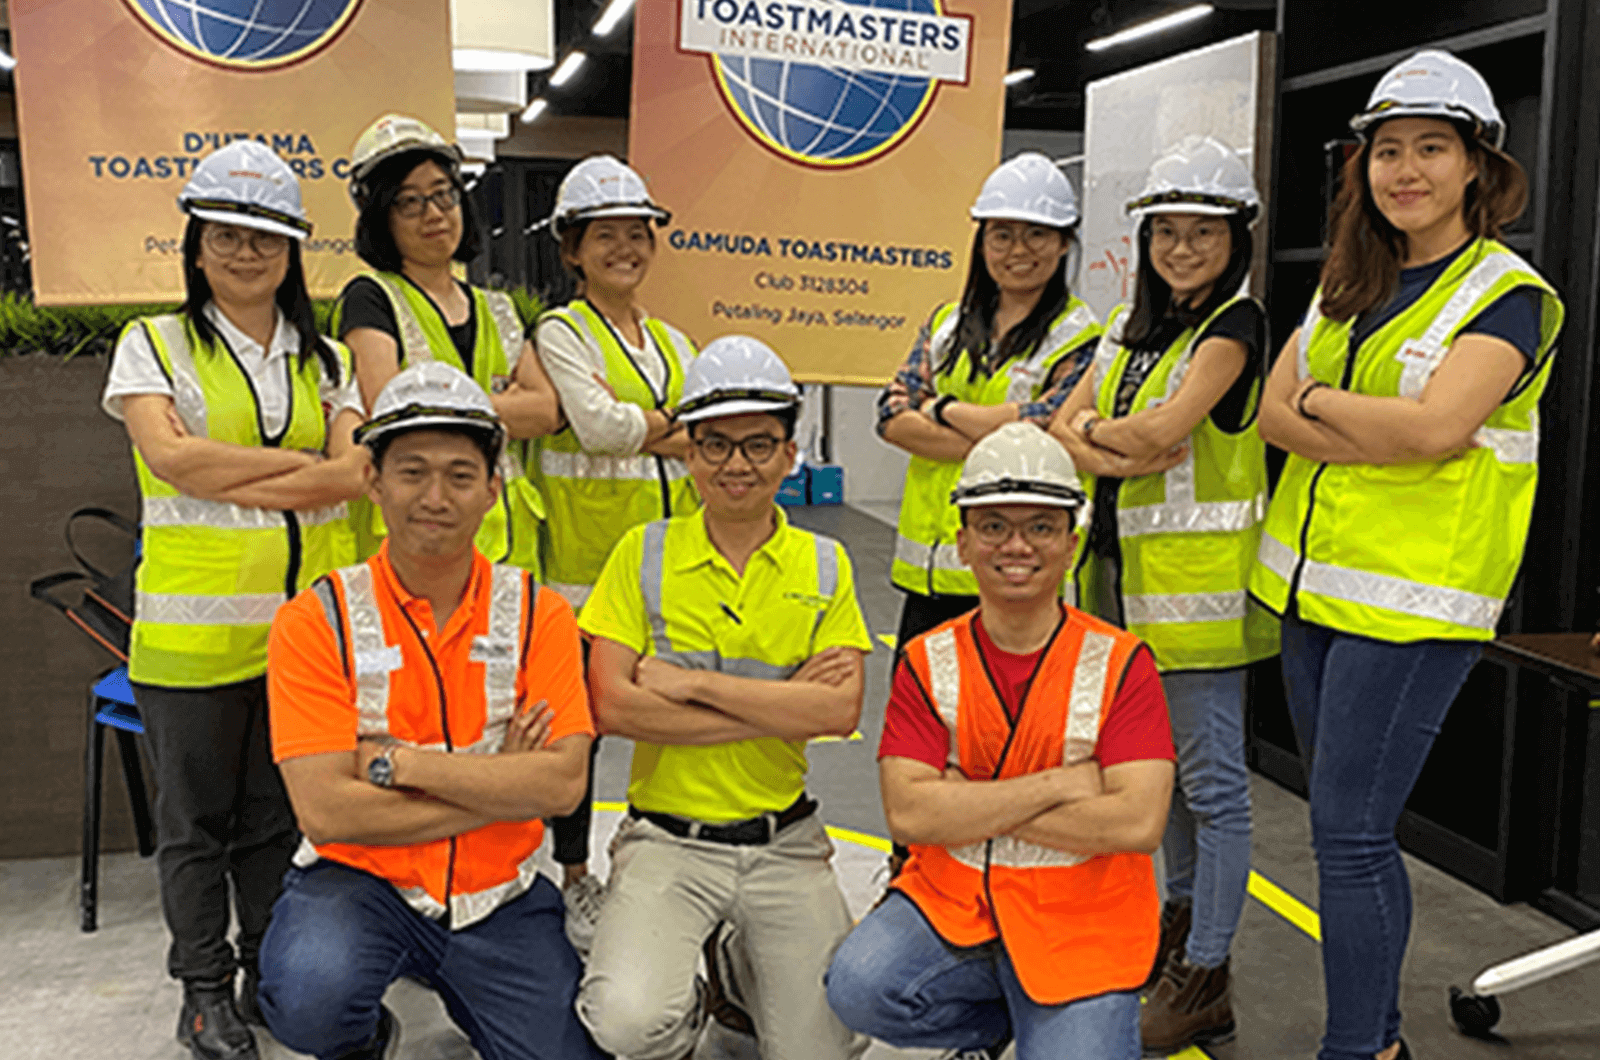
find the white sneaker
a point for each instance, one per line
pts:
(584, 896)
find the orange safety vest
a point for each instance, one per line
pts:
(398, 680)
(1074, 925)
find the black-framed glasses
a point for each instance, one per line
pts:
(226, 241)
(718, 448)
(1039, 531)
(412, 204)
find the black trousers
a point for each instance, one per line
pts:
(570, 834)
(921, 613)
(222, 816)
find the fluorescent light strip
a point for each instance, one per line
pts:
(613, 15)
(1016, 77)
(568, 69)
(534, 109)
(1146, 29)
(7, 62)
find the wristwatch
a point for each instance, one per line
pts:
(381, 769)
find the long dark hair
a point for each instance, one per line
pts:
(292, 299)
(1152, 297)
(1363, 266)
(980, 299)
(375, 240)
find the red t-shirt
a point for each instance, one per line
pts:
(1136, 727)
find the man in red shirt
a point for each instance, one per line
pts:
(1026, 761)
(427, 709)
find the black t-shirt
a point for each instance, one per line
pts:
(1243, 322)
(365, 305)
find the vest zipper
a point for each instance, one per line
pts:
(1345, 378)
(449, 745)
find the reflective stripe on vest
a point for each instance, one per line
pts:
(183, 510)
(652, 574)
(557, 464)
(372, 659)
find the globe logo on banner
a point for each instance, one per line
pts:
(826, 83)
(246, 34)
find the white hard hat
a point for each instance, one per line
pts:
(431, 394)
(246, 184)
(1197, 175)
(1029, 187)
(735, 376)
(390, 135)
(1434, 84)
(602, 186)
(1019, 463)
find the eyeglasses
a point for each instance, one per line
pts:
(1036, 238)
(411, 204)
(718, 448)
(227, 242)
(1039, 531)
(1202, 238)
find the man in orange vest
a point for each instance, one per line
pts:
(1026, 761)
(427, 709)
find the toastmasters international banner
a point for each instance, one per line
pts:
(819, 159)
(118, 100)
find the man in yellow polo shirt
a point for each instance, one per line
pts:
(723, 640)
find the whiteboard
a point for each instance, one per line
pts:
(1224, 90)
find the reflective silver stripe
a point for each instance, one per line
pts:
(652, 567)
(944, 557)
(1483, 276)
(498, 651)
(193, 609)
(1210, 517)
(187, 394)
(412, 339)
(367, 643)
(1105, 354)
(1456, 606)
(419, 899)
(1030, 373)
(556, 464)
(574, 594)
(1089, 679)
(1308, 324)
(467, 909)
(1010, 852)
(508, 325)
(971, 855)
(944, 674)
(827, 566)
(1510, 446)
(192, 511)
(1155, 609)
(939, 342)
(1277, 557)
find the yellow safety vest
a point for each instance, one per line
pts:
(510, 532)
(1424, 550)
(593, 499)
(925, 558)
(1188, 537)
(214, 573)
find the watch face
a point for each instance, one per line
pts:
(381, 771)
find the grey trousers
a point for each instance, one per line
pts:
(222, 817)
(665, 897)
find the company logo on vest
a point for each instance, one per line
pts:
(824, 83)
(246, 34)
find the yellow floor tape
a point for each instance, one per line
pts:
(889, 640)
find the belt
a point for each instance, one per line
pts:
(756, 831)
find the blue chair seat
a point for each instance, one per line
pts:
(114, 702)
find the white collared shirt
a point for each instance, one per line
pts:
(136, 370)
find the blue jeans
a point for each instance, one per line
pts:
(895, 979)
(339, 937)
(1366, 713)
(1206, 848)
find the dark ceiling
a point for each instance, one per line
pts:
(1047, 35)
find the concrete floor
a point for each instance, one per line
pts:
(104, 996)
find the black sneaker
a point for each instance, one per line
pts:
(210, 1025)
(385, 1041)
(249, 1007)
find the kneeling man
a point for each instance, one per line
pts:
(427, 709)
(1027, 762)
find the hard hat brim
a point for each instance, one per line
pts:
(1031, 217)
(735, 407)
(649, 210)
(370, 433)
(1020, 497)
(249, 220)
(1490, 132)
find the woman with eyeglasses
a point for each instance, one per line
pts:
(1408, 401)
(240, 416)
(415, 223)
(1011, 349)
(1163, 430)
(619, 461)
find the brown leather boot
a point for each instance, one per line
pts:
(1189, 1005)
(1175, 921)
